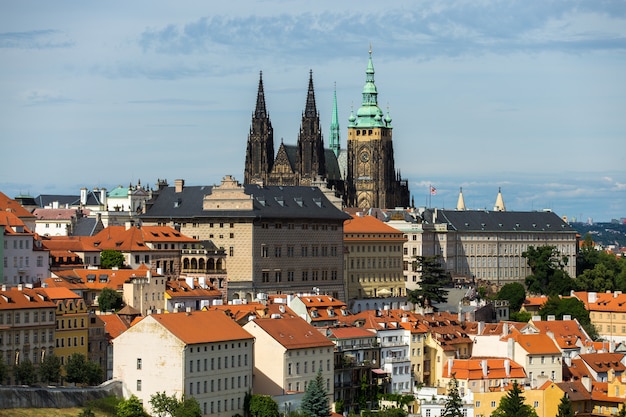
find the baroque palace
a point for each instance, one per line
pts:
(363, 176)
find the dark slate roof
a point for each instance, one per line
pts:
(330, 160)
(43, 200)
(269, 202)
(87, 226)
(498, 221)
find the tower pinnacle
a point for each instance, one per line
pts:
(260, 112)
(499, 202)
(460, 204)
(310, 110)
(334, 126)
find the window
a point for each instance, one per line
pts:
(138, 363)
(536, 404)
(493, 404)
(139, 385)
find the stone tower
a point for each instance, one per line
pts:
(260, 149)
(371, 178)
(310, 162)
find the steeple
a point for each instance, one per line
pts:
(369, 114)
(310, 110)
(260, 148)
(260, 112)
(334, 126)
(499, 202)
(460, 204)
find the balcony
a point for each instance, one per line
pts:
(203, 271)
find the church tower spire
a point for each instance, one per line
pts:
(310, 159)
(260, 148)
(460, 204)
(335, 145)
(499, 202)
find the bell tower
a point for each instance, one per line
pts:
(260, 149)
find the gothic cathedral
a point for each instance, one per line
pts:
(363, 177)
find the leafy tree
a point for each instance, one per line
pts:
(622, 411)
(25, 372)
(50, 369)
(512, 405)
(565, 408)
(432, 282)
(81, 371)
(110, 258)
(588, 255)
(606, 273)
(387, 412)
(454, 404)
(515, 293)
(109, 299)
(131, 407)
(521, 316)
(263, 406)
(164, 406)
(315, 400)
(548, 271)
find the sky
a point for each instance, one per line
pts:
(524, 96)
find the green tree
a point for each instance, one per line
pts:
(164, 406)
(50, 369)
(110, 258)
(622, 411)
(315, 399)
(521, 316)
(263, 406)
(131, 408)
(512, 405)
(432, 282)
(515, 293)
(454, 404)
(25, 372)
(79, 370)
(548, 271)
(606, 273)
(565, 408)
(109, 300)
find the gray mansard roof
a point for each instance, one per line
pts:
(503, 221)
(269, 202)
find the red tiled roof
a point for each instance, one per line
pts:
(566, 332)
(60, 293)
(180, 289)
(10, 205)
(350, 333)
(602, 362)
(369, 225)
(215, 325)
(604, 301)
(14, 299)
(472, 369)
(293, 333)
(535, 344)
(575, 390)
(113, 324)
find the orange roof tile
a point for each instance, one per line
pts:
(10, 205)
(14, 299)
(293, 333)
(472, 369)
(60, 293)
(113, 325)
(535, 344)
(604, 301)
(349, 333)
(216, 326)
(566, 332)
(180, 289)
(575, 390)
(369, 225)
(602, 362)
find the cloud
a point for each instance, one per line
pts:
(44, 97)
(35, 39)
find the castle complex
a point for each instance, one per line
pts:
(363, 176)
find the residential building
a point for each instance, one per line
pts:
(189, 293)
(114, 326)
(27, 325)
(278, 239)
(539, 355)
(24, 259)
(56, 221)
(607, 312)
(97, 343)
(357, 356)
(373, 258)
(319, 310)
(288, 354)
(214, 365)
(480, 374)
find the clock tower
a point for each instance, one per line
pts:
(372, 180)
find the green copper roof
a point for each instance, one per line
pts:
(334, 126)
(369, 114)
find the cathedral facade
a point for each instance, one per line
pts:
(363, 175)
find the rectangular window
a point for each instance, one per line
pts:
(138, 363)
(139, 385)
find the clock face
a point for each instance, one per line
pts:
(365, 156)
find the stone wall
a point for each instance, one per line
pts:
(55, 397)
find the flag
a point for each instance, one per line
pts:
(433, 190)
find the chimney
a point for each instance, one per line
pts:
(103, 198)
(483, 364)
(586, 381)
(551, 317)
(505, 329)
(481, 327)
(567, 316)
(592, 297)
(450, 363)
(507, 367)
(83, 196)
(179, 185)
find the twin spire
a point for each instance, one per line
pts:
(499, 206)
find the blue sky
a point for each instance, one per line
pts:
(526, 96)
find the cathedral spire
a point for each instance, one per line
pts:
(310, 110)
(334, 126)
(260, 112)
(460, 204)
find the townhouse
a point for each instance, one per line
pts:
(199, 354)
(607, 312)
